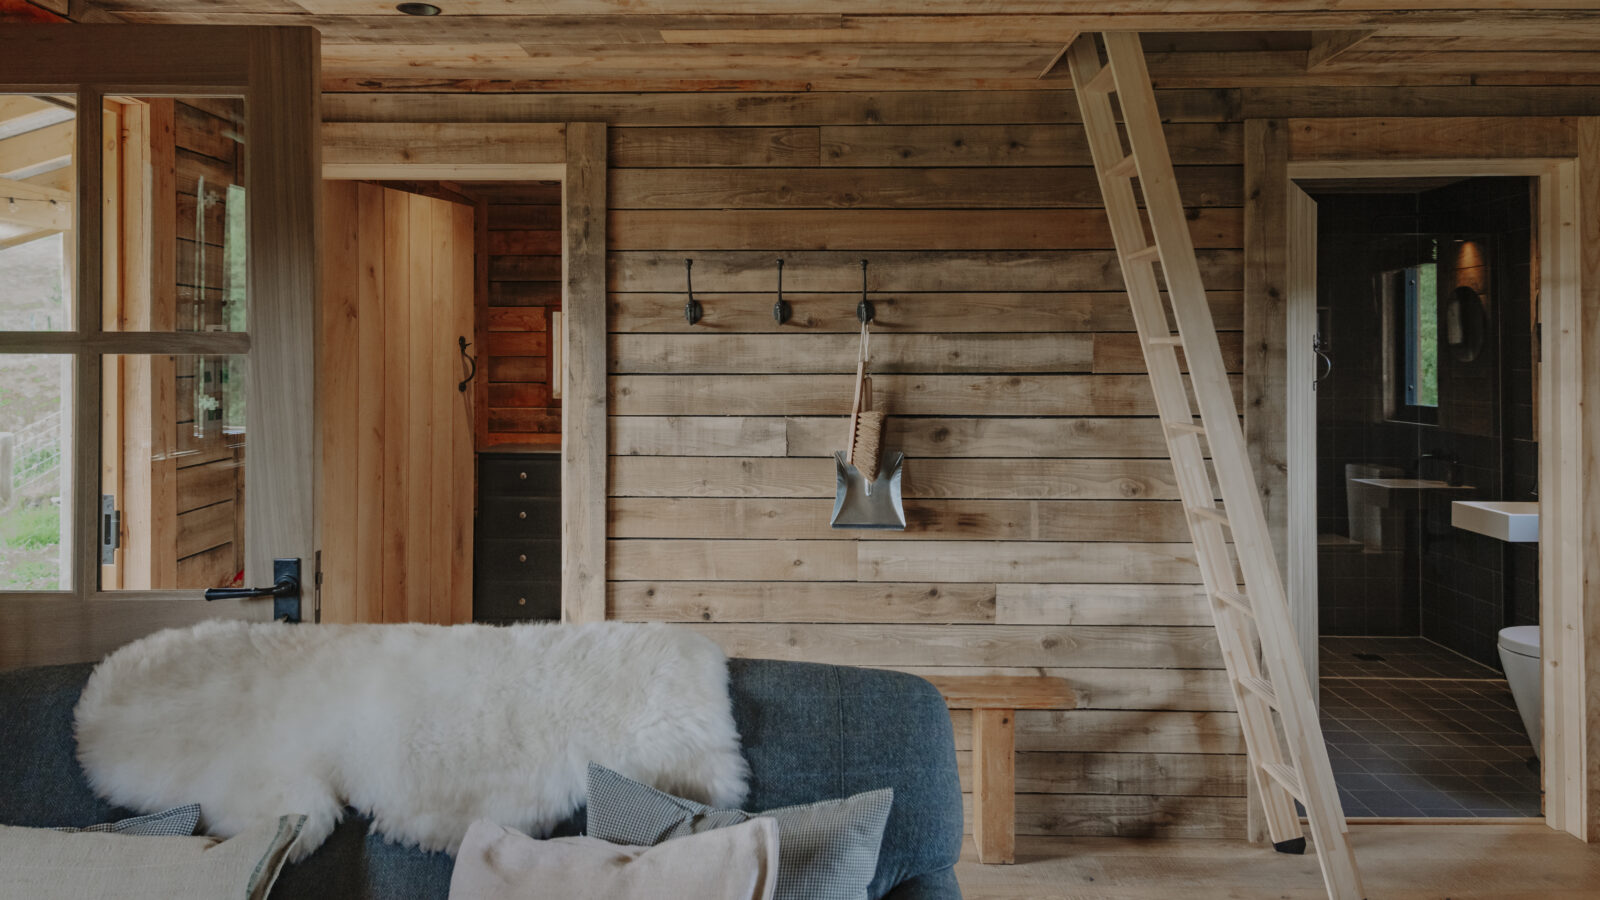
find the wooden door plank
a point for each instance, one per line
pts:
(397, 364)
(420, 344)
(462, 470)
(340, 400)
(442, 356)
(375, 580)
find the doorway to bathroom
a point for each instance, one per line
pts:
(1427, 597)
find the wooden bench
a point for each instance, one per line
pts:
(994, 701)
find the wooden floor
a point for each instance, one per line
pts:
(1398, 862)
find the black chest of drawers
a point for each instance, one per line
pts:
(517, 542)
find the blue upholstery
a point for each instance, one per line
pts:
(811, 732)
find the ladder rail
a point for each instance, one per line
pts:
(1214, 397)
(1259, 608)
(1172, 405)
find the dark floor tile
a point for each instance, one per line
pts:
(1359, 781)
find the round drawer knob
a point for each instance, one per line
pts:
(523, 514)
(522, 601)
(522, 557)
(523, 475)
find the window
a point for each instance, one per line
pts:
(1421, 336)
(1410, 302)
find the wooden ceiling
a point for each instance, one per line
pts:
(772, 45)
(36, 141)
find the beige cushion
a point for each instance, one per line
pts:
(498, 863)
(42, 864)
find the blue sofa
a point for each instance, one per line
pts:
(810, 732)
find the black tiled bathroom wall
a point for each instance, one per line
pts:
(1452, 586)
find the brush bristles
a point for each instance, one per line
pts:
(869, 438)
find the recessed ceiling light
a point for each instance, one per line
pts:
(419, 9)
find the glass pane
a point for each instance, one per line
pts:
(37, 134)
(176, 211)
(35, 424)
(172, 460)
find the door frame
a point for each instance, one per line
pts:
(1563, 156)
(277, 70)
(575, 153)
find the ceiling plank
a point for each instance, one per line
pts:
(36, 148)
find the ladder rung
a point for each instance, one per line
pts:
(1151, 253)
(1103, 81)
(1237, 601)
(1284, 775)
(1261, 688)
(1210, 513)
(1185, 428)
(1168, 340)
(1126, 167)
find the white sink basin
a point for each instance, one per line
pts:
(1517, 522)
(1412, 484)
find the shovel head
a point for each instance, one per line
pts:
(855, 506)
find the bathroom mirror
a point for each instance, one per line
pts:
(1464, 322)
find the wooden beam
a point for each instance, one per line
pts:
(24, 238)
(994, 802)
(1005, 692)
(1327, 46)
(583, 433)
(391, 151)
(40, 208)
(41, 146)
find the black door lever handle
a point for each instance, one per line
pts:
(285, 591)
(283, 588)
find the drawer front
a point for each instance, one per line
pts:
(533, 601)
(522, 475)
(532, 517)
(519, 560)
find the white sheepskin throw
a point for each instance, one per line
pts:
(425, 728)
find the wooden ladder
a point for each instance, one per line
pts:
(1288, 759)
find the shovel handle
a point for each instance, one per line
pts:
(863, 396)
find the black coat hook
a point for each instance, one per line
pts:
(692, 310)
(780, 309)
(865, 311)
(472, 363)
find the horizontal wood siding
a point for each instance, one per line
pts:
(1044, 532)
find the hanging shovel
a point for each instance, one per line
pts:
(866, 480)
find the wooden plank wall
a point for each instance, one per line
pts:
(1044, 533)
(397, 434)
(523, 246)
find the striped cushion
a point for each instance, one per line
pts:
(826, 850)
(180, 821)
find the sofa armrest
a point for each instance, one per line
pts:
(939, 885)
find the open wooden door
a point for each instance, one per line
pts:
(397, 424)
(158, 279)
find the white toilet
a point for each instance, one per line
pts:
(1519, 656)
